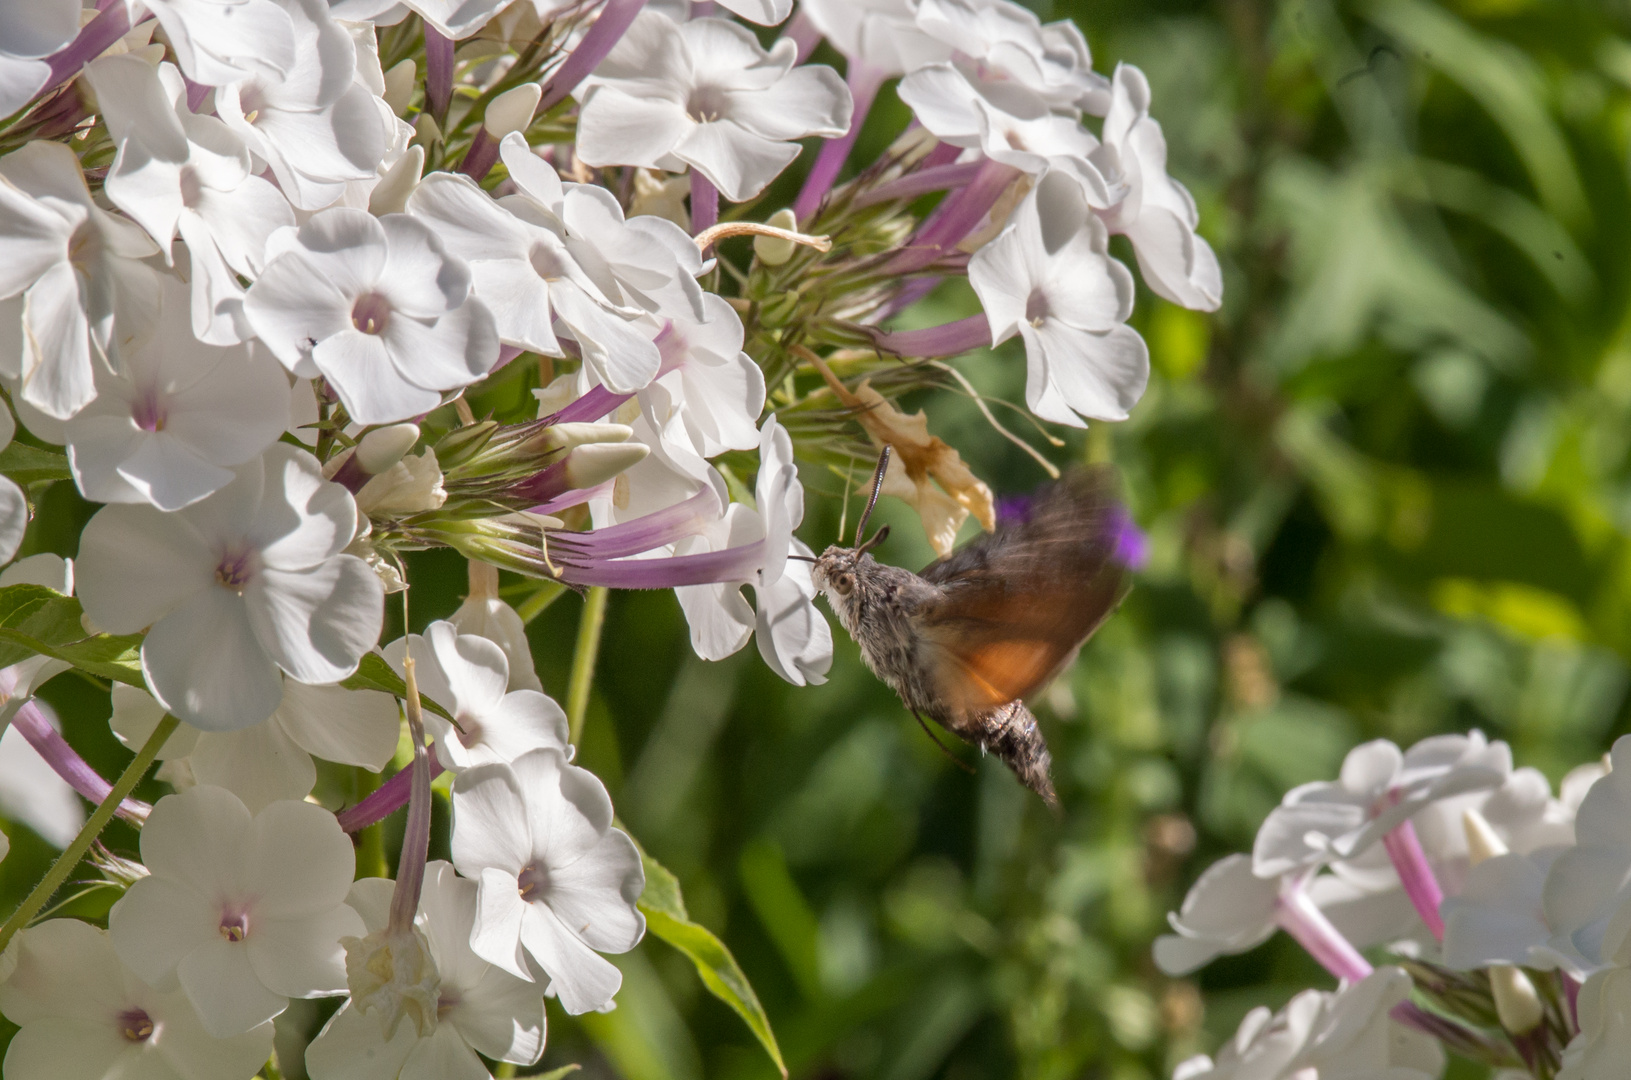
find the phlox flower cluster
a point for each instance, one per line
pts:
(274, 275)
(1497, 912)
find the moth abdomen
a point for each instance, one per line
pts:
(1011, 733)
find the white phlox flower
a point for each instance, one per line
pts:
(522, 267)
(1603, 1046)
(881, 34)
(793, 637)
(178, 173)
(271, 760)
(707, 382)
(376, 306)
(84, 1014)
(235, 587)
(485, 614)
(1049, 278)
(244, 910)
(1012, 126)
(1499, 916)
(28, 34)
(13, 503)
(1587, 893)
(1157, 213)
(558, 884)
(1345, 1035)
(705, 94)
(315, 125)
(73, 288)
(170, 426)
(1004, 43)
(480, 1008)
(220, 42)
(469, 677)
(456, 19)
(1378, 789)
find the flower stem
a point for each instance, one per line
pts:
(410, 869)
(583, 660)
(385, 800)
(607, 31)
(864, 82)
(1416, 875)
(1300, 917)
(948, 339)
(704, 203)
(67, 763)
(370, 841)
(98, 821)
(438, 74)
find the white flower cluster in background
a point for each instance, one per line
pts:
(265, 268)
(1504, 907)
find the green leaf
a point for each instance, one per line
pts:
(36, 621)
(31, 465)
(375, 674)
(664, 908)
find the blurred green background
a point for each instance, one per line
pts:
(1388, 493)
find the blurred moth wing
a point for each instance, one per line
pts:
(977, 632)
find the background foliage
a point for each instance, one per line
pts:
(1388, 491)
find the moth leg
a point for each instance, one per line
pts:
(944, 749)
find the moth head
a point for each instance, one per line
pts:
(834, 571)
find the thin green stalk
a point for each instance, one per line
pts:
(583, 659)
(541, 598)
(99, 819)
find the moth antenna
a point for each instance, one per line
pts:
(877, 486)
(944, 749)
(873, 541)
(804, 558)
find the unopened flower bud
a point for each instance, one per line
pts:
(567, 436)
(393, 975)
(383, 447)
(1482, 841)
(425, 130)
(774, 250)
(1516, 1002)
(390, 195)
(512, 110)
(410, 486)
(399, 86)
(595, 463)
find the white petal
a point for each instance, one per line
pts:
(351, 727)
(13, 518)
(490, 824)
(500, 912)
(738, 162)
(222, 986)
(359, 367)
(317, 623)
(204, 662)
(616, 128)
(303, 957)
(596, 895)
(157, 923)
(352, 1046)
(582, 979)
(260, 764)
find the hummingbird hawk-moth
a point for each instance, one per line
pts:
(965, 641)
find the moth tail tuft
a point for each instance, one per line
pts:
(1013, 734)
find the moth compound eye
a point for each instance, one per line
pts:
(844, 583)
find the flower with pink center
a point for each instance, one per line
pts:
(376, 306)
(557, 883)
(245, 911)
(234, 588)
(170, 426)
(84, 1014)
(469, 676)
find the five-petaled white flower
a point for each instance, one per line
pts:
(234, 587)
(707, 95)
(558, 883)
(245, 910)
(377, 307)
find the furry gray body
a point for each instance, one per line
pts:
(881, 607)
